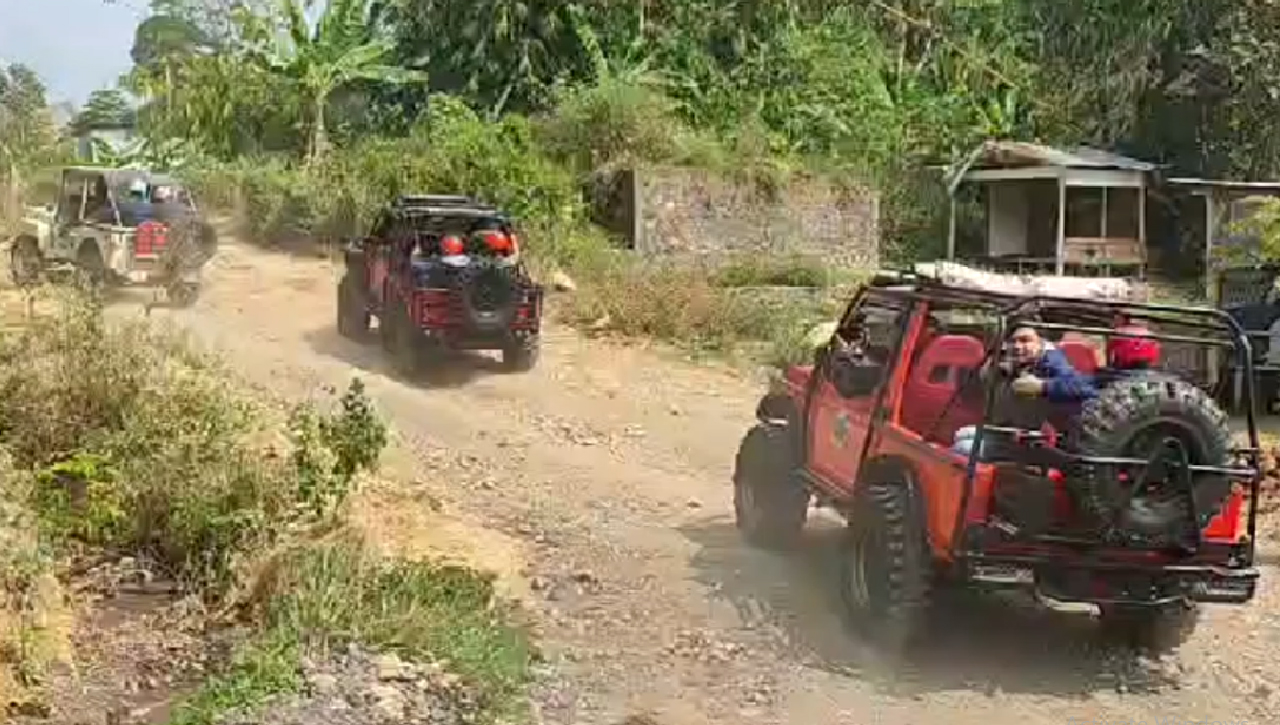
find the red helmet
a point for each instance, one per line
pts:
(1125, 353)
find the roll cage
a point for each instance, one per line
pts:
(1205, 326)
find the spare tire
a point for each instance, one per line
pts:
(1132, 418)
(490, 294)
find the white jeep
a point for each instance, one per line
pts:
(115, 227)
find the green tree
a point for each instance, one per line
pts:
(27, 136)
(105, 108)
(345, 46)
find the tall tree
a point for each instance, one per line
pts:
(105, 108)
(27, 135)
(346, 45)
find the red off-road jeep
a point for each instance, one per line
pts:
(1145, 509)
(440, 274)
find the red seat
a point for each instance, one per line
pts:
(934, 380)
(1082, 356)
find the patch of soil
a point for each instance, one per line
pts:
(138, 647)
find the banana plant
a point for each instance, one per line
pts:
(345, 45)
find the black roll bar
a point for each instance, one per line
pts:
(1015, 311)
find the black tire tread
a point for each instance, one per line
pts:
(1125, 407)
(765, 462)
(908, 566)
(353, 320)
(521, 355)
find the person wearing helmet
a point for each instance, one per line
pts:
(1128, 355)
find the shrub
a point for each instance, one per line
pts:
(140, 443)
(320, 597)
(125, 437)
(676, 302)
(34, 621)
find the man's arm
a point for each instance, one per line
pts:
(1062, 382)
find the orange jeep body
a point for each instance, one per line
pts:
(841, 441)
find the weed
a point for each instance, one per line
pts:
(328, 595)
(125, 437)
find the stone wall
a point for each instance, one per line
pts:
(680, 211)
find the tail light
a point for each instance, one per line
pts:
(432, 307)
(150, 238)
(526, 311)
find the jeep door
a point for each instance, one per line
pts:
(848, 380)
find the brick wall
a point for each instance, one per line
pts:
(701, 213)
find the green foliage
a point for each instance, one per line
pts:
(162, 39)
(139, 444)
(339, 592)
(327, 596)
(344, 46)
(1254, 239)
(27, 137)
(125, 437)
(331, 450)
(107, 108)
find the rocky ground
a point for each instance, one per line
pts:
(359, 687)
(598, 486)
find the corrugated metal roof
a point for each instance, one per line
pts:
(996, 154)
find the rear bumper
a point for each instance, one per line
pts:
(146, 272)
(465, 338)
(1116, 583)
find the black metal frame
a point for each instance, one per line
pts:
(968, 547)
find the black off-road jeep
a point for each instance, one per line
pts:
(441, 273)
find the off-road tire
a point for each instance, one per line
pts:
(353, 317)
(521, 355)
(405, 347)
(26, 263)
(770, 503)
(1153, 403)
(182, 294)
(887, 575)
(496, 308)
(90, 271)
(1155, 630)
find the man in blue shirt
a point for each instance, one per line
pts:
(1043, 371)
(1042, 375)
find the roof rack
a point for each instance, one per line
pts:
(436, 200)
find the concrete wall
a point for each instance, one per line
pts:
(678, 211)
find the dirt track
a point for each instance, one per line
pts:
(610, 468)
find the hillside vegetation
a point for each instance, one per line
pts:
(305, 127)
(301, 118)
(124, 439)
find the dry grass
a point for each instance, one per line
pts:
(126, 437)
(723, 311)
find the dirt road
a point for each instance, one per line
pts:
(611, 468)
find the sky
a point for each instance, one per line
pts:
(75, 46)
